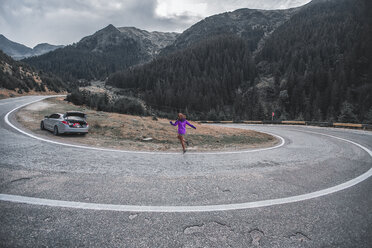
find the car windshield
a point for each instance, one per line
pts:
(79, 114)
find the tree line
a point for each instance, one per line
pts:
(202, 79)
(321, 62)
(84, 61)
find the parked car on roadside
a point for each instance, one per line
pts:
(70, 122)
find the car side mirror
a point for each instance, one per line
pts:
(46, 116)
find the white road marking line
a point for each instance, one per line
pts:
(6, 118)
(3, 103)
(346, 140)
(10, 99)
(202, 208)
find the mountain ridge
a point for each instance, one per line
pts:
(107, 50)
(103, 48)
(19, 51)
(251, 24)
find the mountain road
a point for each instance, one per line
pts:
(313, 189)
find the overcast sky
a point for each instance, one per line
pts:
(66, 21)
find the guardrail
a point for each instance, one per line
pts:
(294, 122)
(252, 122)
(307, 123)
(319, 123)
(353, 125)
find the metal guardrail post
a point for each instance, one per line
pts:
(307, 123)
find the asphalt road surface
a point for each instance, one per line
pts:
(313, 190)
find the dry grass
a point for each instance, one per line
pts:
(5, 93)
(127, 131)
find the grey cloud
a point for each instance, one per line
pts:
(63, 22)
(218, 6)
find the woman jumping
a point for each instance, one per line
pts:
(181, 122)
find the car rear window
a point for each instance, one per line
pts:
(82, 115)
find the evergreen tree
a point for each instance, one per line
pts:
(347, 113)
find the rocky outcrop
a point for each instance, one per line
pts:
(250, 24)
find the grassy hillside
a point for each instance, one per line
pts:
(22, 78)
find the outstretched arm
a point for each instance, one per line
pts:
(174, 124)
(188, 123)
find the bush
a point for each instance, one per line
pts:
(129, 106)
(347, 113)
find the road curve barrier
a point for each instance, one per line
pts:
(252, 122)
(303, 123)
(294, 122)
(351, 125)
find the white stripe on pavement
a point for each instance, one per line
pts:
(202, 208)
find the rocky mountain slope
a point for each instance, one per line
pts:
(106, 51)
(250, 24)
(153, 42)
(149, 43)
(18, 51)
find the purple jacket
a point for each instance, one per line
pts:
(182, 125)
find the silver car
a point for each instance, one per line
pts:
(70, 122)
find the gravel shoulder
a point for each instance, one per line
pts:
(128, 132)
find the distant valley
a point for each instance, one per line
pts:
(18, 51)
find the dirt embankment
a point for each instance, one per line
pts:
(5, 93)
(129, 132)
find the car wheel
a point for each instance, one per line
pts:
(55, 131)
(42, 125)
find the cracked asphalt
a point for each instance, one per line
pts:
(307, 162)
